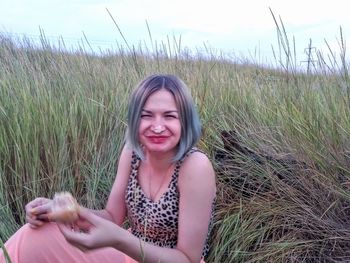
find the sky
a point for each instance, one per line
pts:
(240, 29)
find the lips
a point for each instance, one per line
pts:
(157, 139)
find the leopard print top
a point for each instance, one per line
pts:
(155, 222)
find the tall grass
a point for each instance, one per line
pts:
(63, 116)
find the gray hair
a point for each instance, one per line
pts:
(188, 115)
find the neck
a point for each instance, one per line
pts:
(158, 171)
(159, 162)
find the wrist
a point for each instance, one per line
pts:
(121, 238)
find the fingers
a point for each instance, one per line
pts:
(33, 223)
(41, 208)
(82, 224)
(102, 233)
(89, 217)
(36, 212)
(83, 238)
(75, 238)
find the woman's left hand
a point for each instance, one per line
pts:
(101, 233)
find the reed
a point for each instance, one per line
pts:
(284, 198)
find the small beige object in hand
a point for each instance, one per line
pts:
(64, 208)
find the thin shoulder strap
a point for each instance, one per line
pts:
(135, 162)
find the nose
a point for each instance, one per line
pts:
(158, 128)
(157, 125)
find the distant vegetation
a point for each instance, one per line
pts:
(283, 164)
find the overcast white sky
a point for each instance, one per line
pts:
(234, 27)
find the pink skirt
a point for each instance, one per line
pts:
(47, 244)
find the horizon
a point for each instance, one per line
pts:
(244, 31)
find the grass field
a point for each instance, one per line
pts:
(282, 171)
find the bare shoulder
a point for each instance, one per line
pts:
(124, 163)
(197, 169)
(197, 160)
(126, 154)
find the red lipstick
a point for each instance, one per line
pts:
(157, 139)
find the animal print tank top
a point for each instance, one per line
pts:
(156, 222)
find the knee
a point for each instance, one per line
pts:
(36, 243)
(30, 239)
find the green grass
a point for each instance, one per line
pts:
(7, 257)
(63, 118)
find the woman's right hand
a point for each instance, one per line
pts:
(37, 211)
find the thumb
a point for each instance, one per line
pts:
(87, 215)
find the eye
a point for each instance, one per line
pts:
(171, 116)
(146, 116)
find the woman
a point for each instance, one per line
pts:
(164, 186)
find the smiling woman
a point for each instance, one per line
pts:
(163, 185)
(160, 127)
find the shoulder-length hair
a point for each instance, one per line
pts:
(188, 115)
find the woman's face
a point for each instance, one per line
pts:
(160, 127)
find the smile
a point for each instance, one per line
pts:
(157, 139)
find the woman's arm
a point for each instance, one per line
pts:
(197, 188)
(115, 209)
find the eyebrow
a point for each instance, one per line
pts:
(170, 111)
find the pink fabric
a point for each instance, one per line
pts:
(130, 260)
(47, 245)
